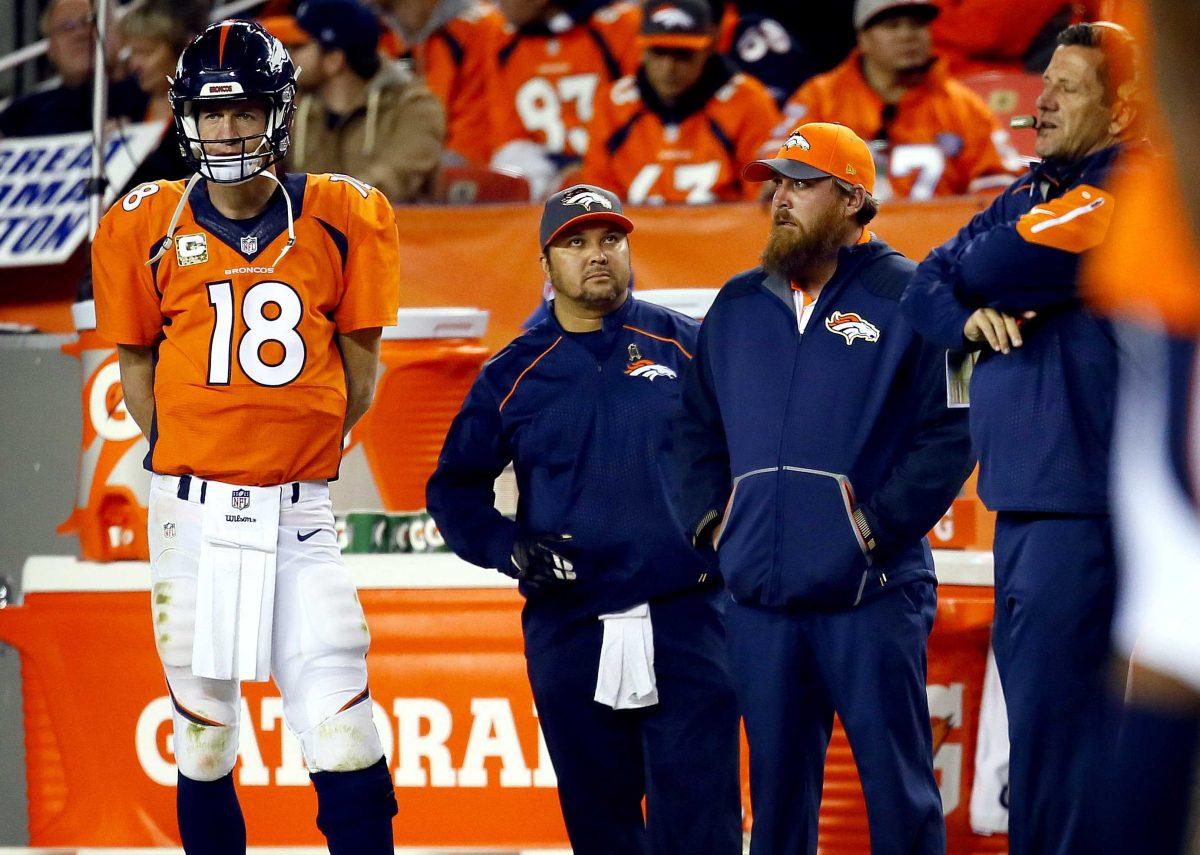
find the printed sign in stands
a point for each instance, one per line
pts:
(43, 189)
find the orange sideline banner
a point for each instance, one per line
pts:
(452, 703)
(486, 256)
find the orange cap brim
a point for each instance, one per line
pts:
(286, 29)
(677, 41)
(584, 220)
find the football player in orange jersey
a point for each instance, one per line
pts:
(246, 307)
(448, 42)
(545, 73)
(931, 136)
(680, 129)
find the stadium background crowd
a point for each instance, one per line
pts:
(662, 101)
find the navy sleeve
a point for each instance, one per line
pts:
(931, 302)
(700, 455)
(461, 496)
(1002, 270)
(928, 476)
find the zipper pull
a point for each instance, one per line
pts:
(882, 579)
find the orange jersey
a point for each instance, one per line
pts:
(249, 386)
(646, 153)
(545, 80)
(943, 140)
(454, 63)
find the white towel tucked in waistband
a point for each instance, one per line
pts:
(235, 585)
(625, 678)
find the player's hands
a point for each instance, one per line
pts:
(1001, 332)
(539, 562)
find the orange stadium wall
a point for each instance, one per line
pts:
(486, 256)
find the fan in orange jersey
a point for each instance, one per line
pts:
(931, 136)
(683, 126)
(548, 68)
(246, 306)
(448, 42)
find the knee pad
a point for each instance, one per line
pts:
(205, 715)
(173, 603)
(345, 741)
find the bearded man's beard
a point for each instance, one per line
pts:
(794, 252)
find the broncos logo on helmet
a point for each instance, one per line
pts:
(851, 326)
(587, 198)
(672, 17)
(234, 60)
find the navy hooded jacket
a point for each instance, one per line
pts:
(1041, 415)
(586, 429)
(827, 456)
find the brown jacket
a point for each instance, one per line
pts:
(393, 142)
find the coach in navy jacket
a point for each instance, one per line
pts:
(583, 418)
(815, 450)
(1042, 398)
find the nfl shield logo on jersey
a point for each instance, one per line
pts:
(249, 245)
(241, 500)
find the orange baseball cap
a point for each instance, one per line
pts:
(286, 29)
(819, 150)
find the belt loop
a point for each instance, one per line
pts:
(295, 492)
(185, 481)
(203, 491)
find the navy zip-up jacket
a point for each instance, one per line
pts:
(586, 429)
(792, 434)
(1041, 415)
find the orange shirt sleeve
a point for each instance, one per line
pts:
(760, 118)
(980, 156)
(372, 273)
(597, 163)
(128, 306)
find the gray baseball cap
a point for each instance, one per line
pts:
(866, 11)
(580, 205)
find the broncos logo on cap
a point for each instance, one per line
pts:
(851, 326)
(797, 140)
(587, 198)
(671, 17)
(649, 369)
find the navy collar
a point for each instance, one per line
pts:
(257, 232)
(1061, 173)
(609, 324)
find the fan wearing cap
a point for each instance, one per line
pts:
(546, 72)
(358, 114)
(931, 135)
(679, 129)
(623, 637)
(1007, 285)
(815, 450)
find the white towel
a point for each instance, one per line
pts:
(989, 794)
(625, 678)
(235, 586)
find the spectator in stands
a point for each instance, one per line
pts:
(447, 42)
(784, 44)
(931, 136)
(682, 127)
(546, 71)
(154, 34)
(67, 108)
(976, 35)
(358, 114)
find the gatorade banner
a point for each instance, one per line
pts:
(43, 189)
(451, 702)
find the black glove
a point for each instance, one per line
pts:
(540, 564)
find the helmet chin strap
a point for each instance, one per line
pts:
(169, 240)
